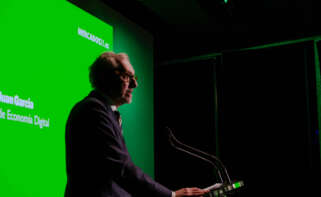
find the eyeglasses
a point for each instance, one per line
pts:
(126, 76)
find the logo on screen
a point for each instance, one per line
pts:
(92, 37)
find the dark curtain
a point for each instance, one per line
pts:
(255, 109)
(268, 129)
(184, 101)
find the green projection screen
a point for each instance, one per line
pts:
(46, 49)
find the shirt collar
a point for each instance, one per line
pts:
(113, 107)
(108, 100)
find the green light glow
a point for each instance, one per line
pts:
(44, 71)
(225, 1)
(46, 49)
(318, 87)
(237, 185)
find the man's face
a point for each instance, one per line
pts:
(126, 77)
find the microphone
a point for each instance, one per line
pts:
(173, 140)
(218, 189)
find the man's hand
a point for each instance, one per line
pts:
(194, 191)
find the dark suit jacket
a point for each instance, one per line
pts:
(98, 163)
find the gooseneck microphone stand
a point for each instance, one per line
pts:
(219, 189)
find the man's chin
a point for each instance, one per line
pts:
(127, 100)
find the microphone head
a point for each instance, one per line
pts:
(170, 132)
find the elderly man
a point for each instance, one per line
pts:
(98, 163)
